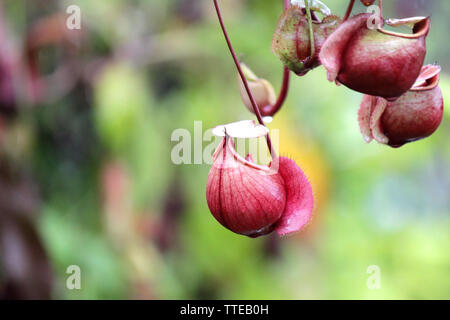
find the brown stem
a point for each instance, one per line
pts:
(244, 80)
(271, 110)
(349, 9)
(282, 96)
(380, 4)
(311, 34)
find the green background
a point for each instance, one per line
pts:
(112, 202)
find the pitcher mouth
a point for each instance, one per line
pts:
(420, 27)
(428, 78)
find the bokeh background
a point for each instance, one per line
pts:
(86, 176)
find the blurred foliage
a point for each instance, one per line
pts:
(97, 143)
